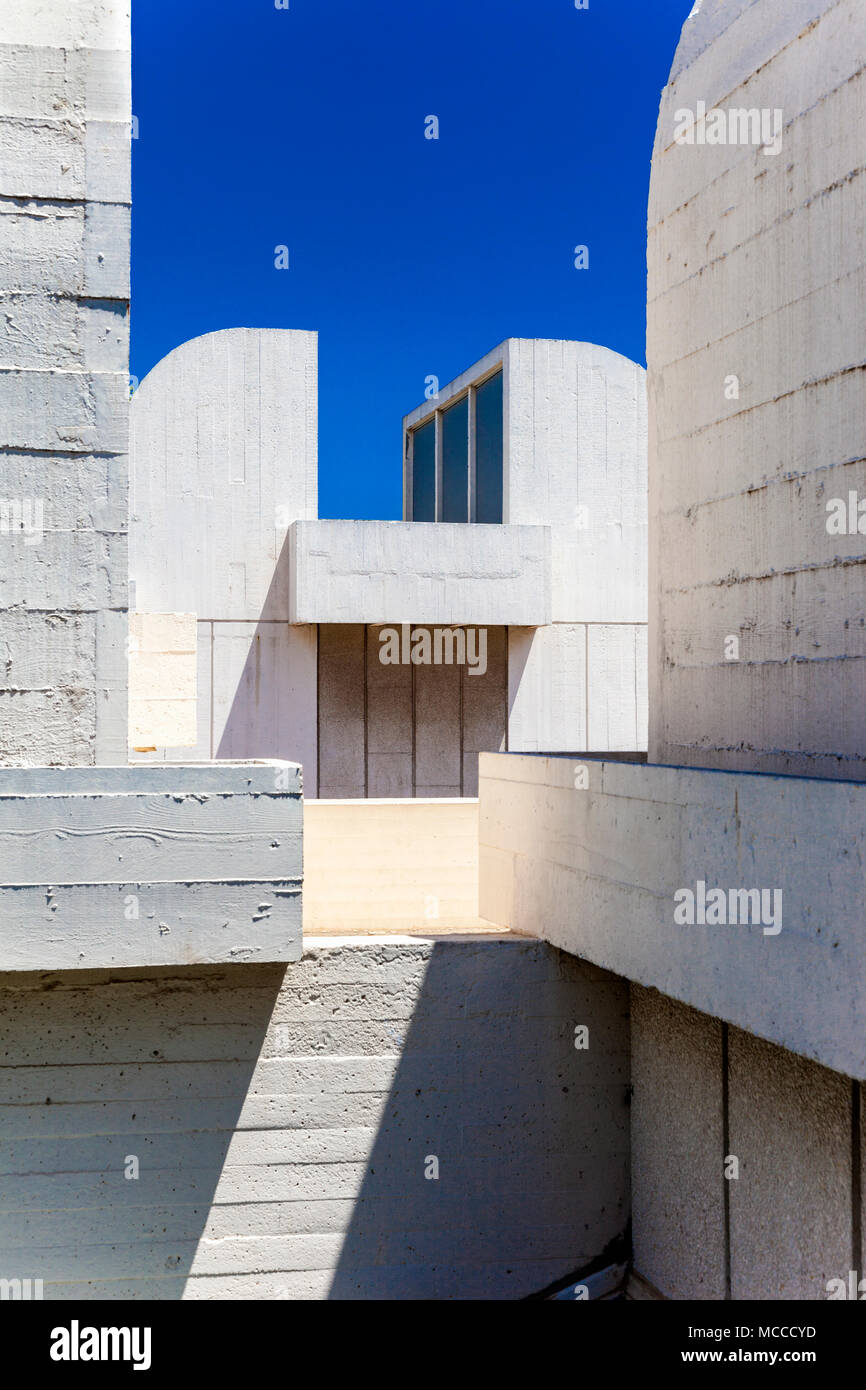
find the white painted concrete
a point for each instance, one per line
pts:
(595, 868)
(126, 867)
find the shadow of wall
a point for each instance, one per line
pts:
(500, 1163)
(100, 1068)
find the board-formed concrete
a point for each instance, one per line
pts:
(612, 860)
(756, 343)
(383, 1119)
(64, 386)
(133, 866)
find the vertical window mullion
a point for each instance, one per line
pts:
(437, 507)
(470, 424)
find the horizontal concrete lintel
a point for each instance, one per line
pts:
(423, 573)
(589, 856)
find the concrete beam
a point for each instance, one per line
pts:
(595, 857)
(436, 573)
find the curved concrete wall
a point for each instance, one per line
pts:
(756, 344)
(223, 448)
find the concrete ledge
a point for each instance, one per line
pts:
(416, 572)
(150, 865)
(589, 856)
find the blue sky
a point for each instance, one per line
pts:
(305, 127)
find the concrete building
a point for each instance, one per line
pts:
(193, 1102)
(730, 896)
(506, 610)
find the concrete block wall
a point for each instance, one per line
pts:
(64, 386)
(756, 342)
(789, 1222)
(276, 1126)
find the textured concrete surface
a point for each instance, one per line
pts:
(791, 1217)
(390, 864)
(577, 685)
(755, 273)
(592, 860)
(126, 867)
(409, 572)
(223, 441)
(677, 1147)
(64, 291)
(282, 1122)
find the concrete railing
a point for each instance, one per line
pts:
(149, 865)
(372, 864)
(742, 895)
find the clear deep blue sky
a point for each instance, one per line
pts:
(304, 127)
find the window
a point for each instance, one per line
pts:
(455, 458)
(424, 472)
(455, 462)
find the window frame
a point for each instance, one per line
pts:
(435, 413)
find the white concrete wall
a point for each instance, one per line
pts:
(755, 272)
(223, 446)
(373, 864)
(64, 291)
(282, 1120)
(224, 443)
(576, 458)
(705, 1094)
(417, 572)
(590, 856)
(576, 686)
(404, 730)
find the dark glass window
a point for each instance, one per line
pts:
(424, 472)
(455, 462)
(488, 450)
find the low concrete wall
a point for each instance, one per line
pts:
(255, 1132)
(149, 865)
(596, 856)
(372, 864)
